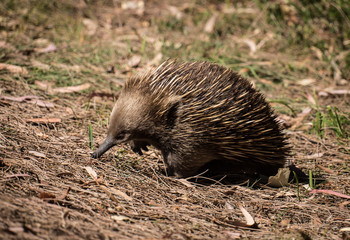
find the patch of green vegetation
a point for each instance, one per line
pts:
(337, 122)
(60, 77)
(198, 17)
(171, 23)
(331, 120)
(91, 137)
(312, 180)
(318, 124)
(297, 184)
(307, 22)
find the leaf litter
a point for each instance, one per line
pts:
(50, 187)
(117, 202)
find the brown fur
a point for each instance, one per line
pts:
(196, 113)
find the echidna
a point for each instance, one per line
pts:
(195, 113)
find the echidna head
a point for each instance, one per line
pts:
(127, 117)
(136, 117)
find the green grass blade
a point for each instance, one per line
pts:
(91, 140)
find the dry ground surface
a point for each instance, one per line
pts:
(61, 66)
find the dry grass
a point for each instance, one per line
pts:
(46, 191)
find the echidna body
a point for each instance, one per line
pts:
(196, 113)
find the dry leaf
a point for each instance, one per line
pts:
(306, 81)
(71, 89)
(228, 206)
(32, 99)
(91, 172)
(185, 182)
(251, 45)
(134, 5)
(248, 218)
(42, 103)
(137, 6)
(121, 194)
(90, 25)
(44, 120)
(305, 112)
(265, 81)
(13, 68)
(50, 48)
(41, 42)
(314, 156)
(134, 61)
(327, 170)
(330, 192)
(209, 26)
(280, 179)
(46, 195)
(37, 154)
(16, 230)
(318, 52)
(120, 218)
(334, 92)
(311, 98)
(18, 99)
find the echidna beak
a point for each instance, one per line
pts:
(107, 144)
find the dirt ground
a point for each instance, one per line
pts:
(62, 64)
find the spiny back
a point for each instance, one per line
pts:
(207, 90)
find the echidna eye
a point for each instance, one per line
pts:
(120, 135)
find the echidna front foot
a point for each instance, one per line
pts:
(178, 166)
(138, 146)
